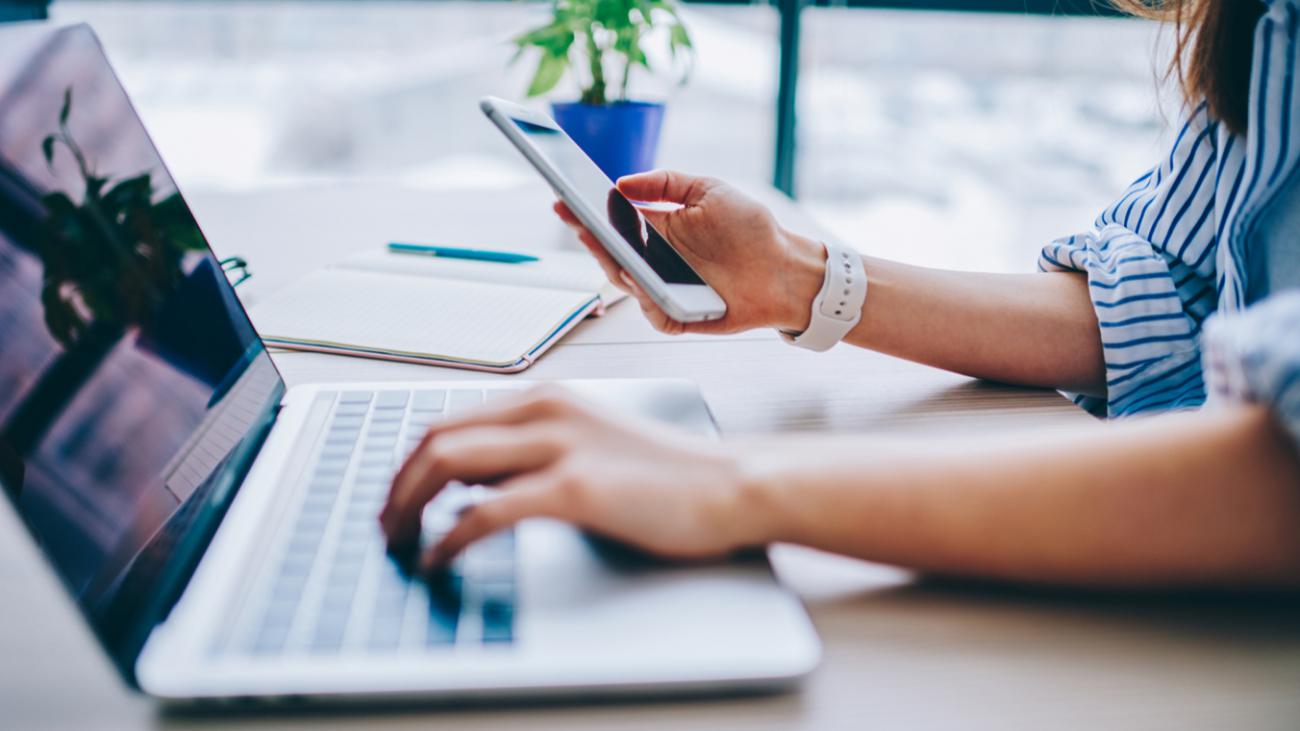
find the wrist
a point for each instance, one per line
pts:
(802, 276)
(758, 515)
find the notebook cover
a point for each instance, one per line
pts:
(593, 307)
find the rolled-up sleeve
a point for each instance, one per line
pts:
(1150, 265)
(1254, 356)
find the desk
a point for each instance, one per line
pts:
(898, 653)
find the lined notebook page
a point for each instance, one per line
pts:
(573, 270)
(471, 322)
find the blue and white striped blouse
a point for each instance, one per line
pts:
(1190, 271)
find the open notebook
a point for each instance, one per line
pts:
(452, 312)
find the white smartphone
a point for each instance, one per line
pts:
(617, 224)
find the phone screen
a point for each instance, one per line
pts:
(599, 191)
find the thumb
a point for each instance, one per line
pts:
(656, 217)
(665, 186)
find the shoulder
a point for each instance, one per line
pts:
(1274, 4)
(1279, 10)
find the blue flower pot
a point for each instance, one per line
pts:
(621, 138)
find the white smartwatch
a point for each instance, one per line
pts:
(838, 306)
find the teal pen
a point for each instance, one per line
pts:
(452, 252)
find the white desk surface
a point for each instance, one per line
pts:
(899, 653)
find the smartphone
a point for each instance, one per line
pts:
(615, 222)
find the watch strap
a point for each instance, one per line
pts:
(837, 309)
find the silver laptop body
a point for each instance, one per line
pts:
(218, 532)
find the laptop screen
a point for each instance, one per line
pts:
(129, 374)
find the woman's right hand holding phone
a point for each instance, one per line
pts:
(767, 275)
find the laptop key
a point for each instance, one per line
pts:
(347, 421)
(498, 622)
(338, 451)
(461, 401)
(379, 444)
(385, 416)
(350, 409)
(290, 585)
(318, 500)
(420, 422)
(280, 610)
(346, 440)
(330, 641)
(296, 568)
(332, 466)
(441, 627)
(392, 399)
(376, 458)
(385, 638)
(270, 640)
(356, 397)
(428, 401)
(304, 542)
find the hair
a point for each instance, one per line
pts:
(1213, 51)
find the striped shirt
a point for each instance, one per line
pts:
(1189, 270)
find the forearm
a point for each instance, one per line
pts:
(1032, 329)
(1192, 499)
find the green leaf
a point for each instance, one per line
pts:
(47, 149)
(664, 5)
(606, 26)
(540, 36)
(136, 191)
(67, 106)
(678, 37)
(549, 71)
(614, 15)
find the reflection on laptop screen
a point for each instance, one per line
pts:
(128, 372)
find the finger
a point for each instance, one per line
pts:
(660, 220)
(529, 496)
(584, 234)
(532, 405)
(607, 263)
(613, 271)
(653, 313)
(472, 455)
(667, 186)
(566, 215)
(662, 322)
(647, 303)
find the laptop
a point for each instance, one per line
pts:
(218, 531)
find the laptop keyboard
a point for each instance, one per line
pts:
(333, 587)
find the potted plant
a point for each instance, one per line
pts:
(621, 135)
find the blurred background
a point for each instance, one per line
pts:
(947, 137)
